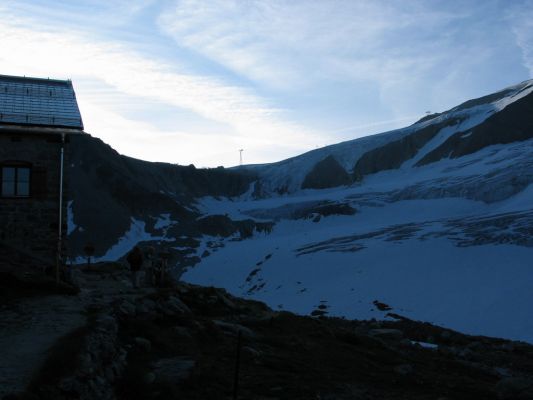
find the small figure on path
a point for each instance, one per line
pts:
(135, 259)
(149, 274)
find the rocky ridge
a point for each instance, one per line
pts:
(181, 342)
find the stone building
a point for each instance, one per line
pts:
(37, 117)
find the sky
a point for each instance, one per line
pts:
(193, 82)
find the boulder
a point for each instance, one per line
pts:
(173, 306)
(143, 343)
(126, 309)
(173, 369)
(515, 388)
(404, 369)
(249, 353)
(149, 378)
(383, 333)
(234, 328)
(326, 174)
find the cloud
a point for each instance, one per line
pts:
(404, 49)
(143, 140)
(520, 17)
(240, 113)
(85, 15)
(247, 74)
(288, 45)
(381, 124)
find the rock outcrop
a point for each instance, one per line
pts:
(514, 123)
(326, 174)
(108, 190)
(394, 154)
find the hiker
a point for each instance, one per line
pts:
(157, 268)
(163, 265)
(149, 273)
(135, 259)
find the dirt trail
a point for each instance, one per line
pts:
(30, 326)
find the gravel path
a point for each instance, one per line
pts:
(30, 326)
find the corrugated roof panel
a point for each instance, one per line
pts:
(34, 101)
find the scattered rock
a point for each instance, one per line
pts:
(508, 346)
(515, 389)
(109, 374)
(173, 369)
(381, 306)
(143, 344)
(174, 306)
(445, 335)
(318, 313)
(106, 323)
(475, 346)
(126, 309)
(249, 353)
(386, 333)
(182, 332)
(465, 353)
(149, 378)
(141, 309)
(227, 302)
(404, 369)
(502, 372)
(234, 328)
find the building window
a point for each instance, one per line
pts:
(15, 181)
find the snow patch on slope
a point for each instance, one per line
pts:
(439, 256)
(71, 226)
(163, 222)
(135, 234)
(288, 175)
(521, 90)
(414, 269)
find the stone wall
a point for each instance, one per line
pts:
(30, 224)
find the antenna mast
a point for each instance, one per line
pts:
(240, 156)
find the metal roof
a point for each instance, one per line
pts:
(38, 102)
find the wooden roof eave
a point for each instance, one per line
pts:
(39, 130)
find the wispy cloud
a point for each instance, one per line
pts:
(380, 124)
(205, 78)
(251, 119)
(405, 48)
(288, 44)
(520, 17)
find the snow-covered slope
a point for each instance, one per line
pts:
(288, 175)
(446, 239)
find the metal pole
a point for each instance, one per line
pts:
(60, 228)
(237, 366)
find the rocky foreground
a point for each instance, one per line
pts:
(187, 342)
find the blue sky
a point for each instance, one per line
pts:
(195, 81)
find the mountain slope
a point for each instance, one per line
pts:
(118, 201)
(507, 109)
(434, 220)
(447, 241)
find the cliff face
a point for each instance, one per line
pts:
(435, 217)
(394, 154)
(433, 239)
(117, 201)
(498, 118)
(513, 124)
(326, 174)
(113, 195)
